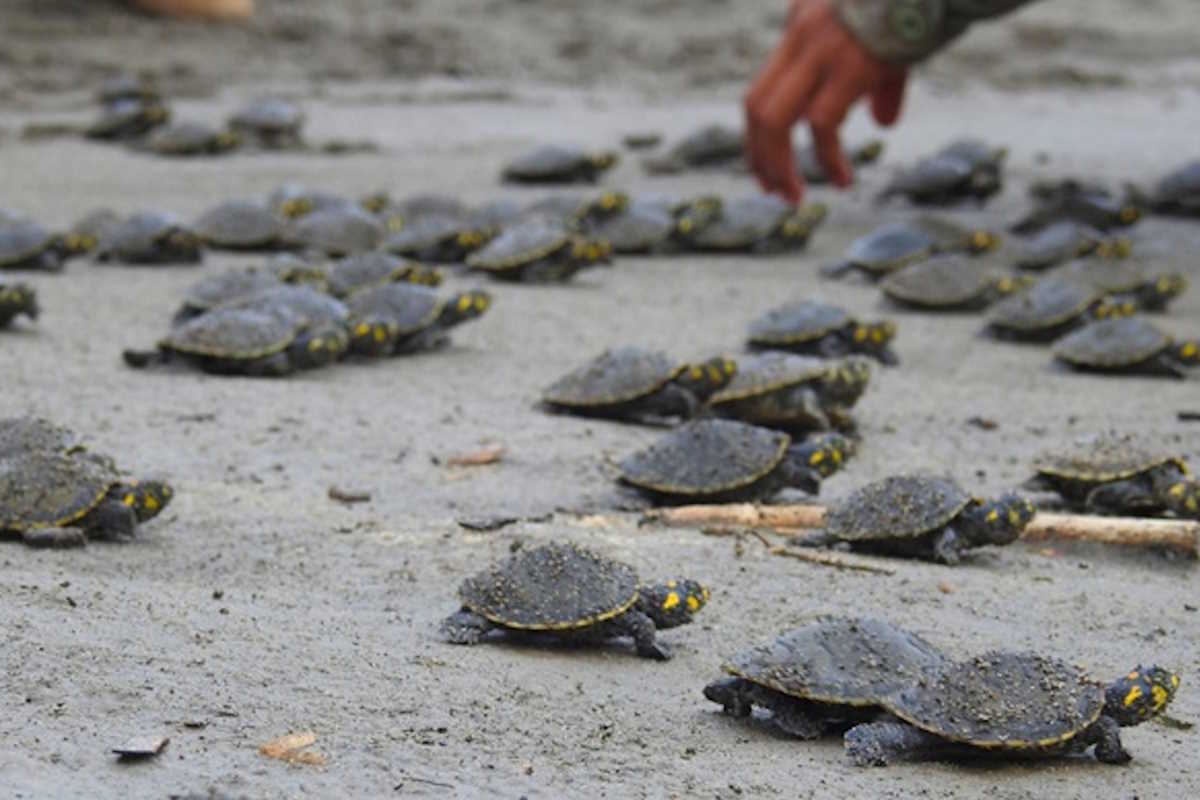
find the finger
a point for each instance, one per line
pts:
(779, 167)
(888, 97)
(826, 114)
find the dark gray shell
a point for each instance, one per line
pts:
(712, 144)
(1180, 187)
(706, 456)
(1109, 275)
(642, 226)
(364, 270)
(183, 138)
(889, 247)
(520, 245)
(1048, 303)
(239, 224)
(1002, 701)
(1112, 343)
(1056, 243)
(422, 233)
(931, 177)
(42, 481)
(126, 118)
(795, 323)
(552, 587)
(268, 115)
(766, 372)
(295, 303)
(742, 222)
(943, 282)
(140, 236)
(840, 660)
(233, 333)
(614, 377)
(409, 307)
(227, 286)
(22, 239)
(337, 231)
(547, 162)
(1101, 460)
(899, 507)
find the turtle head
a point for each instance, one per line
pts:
(846, 380)
(707, 378)
(869, 152)
(464, 306)
(999, 521)
(422, 275)
(1165, 288)
(319, 345)
(225, 141)
(147, 498)
(605, 159)
(471, 240)
(696, 214)
(818, 457)
(610, 202)
(1109, 308)
(799, 225)
(19, 298)
(982, 241)
(1183, 498)
(376, 202)
(672, 603)
(155, 114)
(184, 242)
(296, 207)
(372, 336)
(75, 244)
(1011, 284)
(587, 251)
(1129, 214)
(873, 338)
(1142, 694)
(1117, 247)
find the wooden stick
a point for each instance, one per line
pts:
(793, 520)
(827, 559)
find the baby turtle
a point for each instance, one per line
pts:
(395, 318)
(1177, 193)
(24, 244)
(1056, 243)
(568, 592)
(436, 238)
(897, 244)
(270, 122)
(966, 169)
(554, 163)
(825, 676)
(1011, 705)
(93, 228)
(126, 87)
(317, 308)
(337, 231)
(813, 171)
(56, 493)
(949, 283)
(1126, 280)
(921, 516)
(189, 139)
(757, 224)
(15, 299)
(294, 200)
(127, 119)
(1110, 475)
(633, 383)
(1050, 308)
(240, 225)
(538, 251)
(238, 341)
(1093, 206)
(712, 145)
(795, 393)
(1130, 346)
(364, 270)
(216, 290)
(646, 225)
(150, 237)
(812, 328)
(720, 460)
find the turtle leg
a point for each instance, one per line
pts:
(877, 744)
(1121, 497)
(671, 400)
(837, 271)
(465, 627)
(272, 366)
(735, 695)
(947, 546)
(793, 718)
(636, 624)
(111, 519)
(833, 346)
(1106, 734)
(55, 537)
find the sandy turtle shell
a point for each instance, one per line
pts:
(337, 231)
(1002, 701)
(239, 225)
(889, 247)
(707, 457)
(188, 139)
(708, 146)
(839, 661)
(614, 377)
(553, 163)
(410, 308)
(520, 245)
(1056, 243)
(1179, 191)
(151, 237)
(766, 372)
(1103, 460)
(1120, 276)
(437, 238)
(23, 242)
(898, 507)
(644, 225)
(554, 587)
(1047, 304)
(362, 270)
(1112, 344)
(224, 287)
(15, 299)
(295, 302)
(942, 282)
(797, 323)
(233, 334)
(270, 119)
(125, 119)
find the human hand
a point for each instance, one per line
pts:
(816, 72)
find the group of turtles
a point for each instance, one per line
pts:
(893, 695)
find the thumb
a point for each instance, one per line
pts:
(888, 97)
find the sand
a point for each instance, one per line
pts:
(256, 606)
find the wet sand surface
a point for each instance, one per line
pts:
(257, 606)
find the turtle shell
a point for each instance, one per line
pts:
(21, 240)
(708, 456)
(425, 234)
(1049, 302)
(520, 245)
(943, 282)
(337, 231)
(547, 162)
(227, 286)
(840, 660)
(44, 481)
(33, 434)
(642, 226)
(742, 223)
(268, 115)
(1181, 187)
(1102, 460)
(363, 270)
(1002, 701)
(140, 237)
(796, 323)
(233, 333)
(295, 302)
(409, 307)
(1056, 243)
(1112, 343)
(932, 177)
(766, 372)
(1109, 275)
(889, 247)
(239, 224)
(898, 507)
(188, 138)
(614, 377)
(554, 587)
(712, 144)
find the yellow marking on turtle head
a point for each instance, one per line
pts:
(860, 334)
(671, 600)
(715, 375)
(671, 584)
(464, 303)
(1177, 490)
(316, 344)
(685, 225)
(1014, 517)
(706, 594)
(362, 329)
(1174, 681)
(1133, 695)
(1160, 696)
(130, 499)
(379, 334)
(694, 605)
(877, 336)
(151, 502)
(993, 515)
(1191, 504)
(1133, 676)
(696, 373)
(1130, 215)
(1188, 350)
(816, 458)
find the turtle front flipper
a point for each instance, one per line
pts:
(1122, 497)
(465, 627)
(1105, 733)
(54, 537)
(794, 717)
(641, 628)
(143, 359)
(877, 744)
(110, 519)
(837, 271)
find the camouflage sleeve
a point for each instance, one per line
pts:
(909, 30)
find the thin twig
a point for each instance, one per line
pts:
(827, 559)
